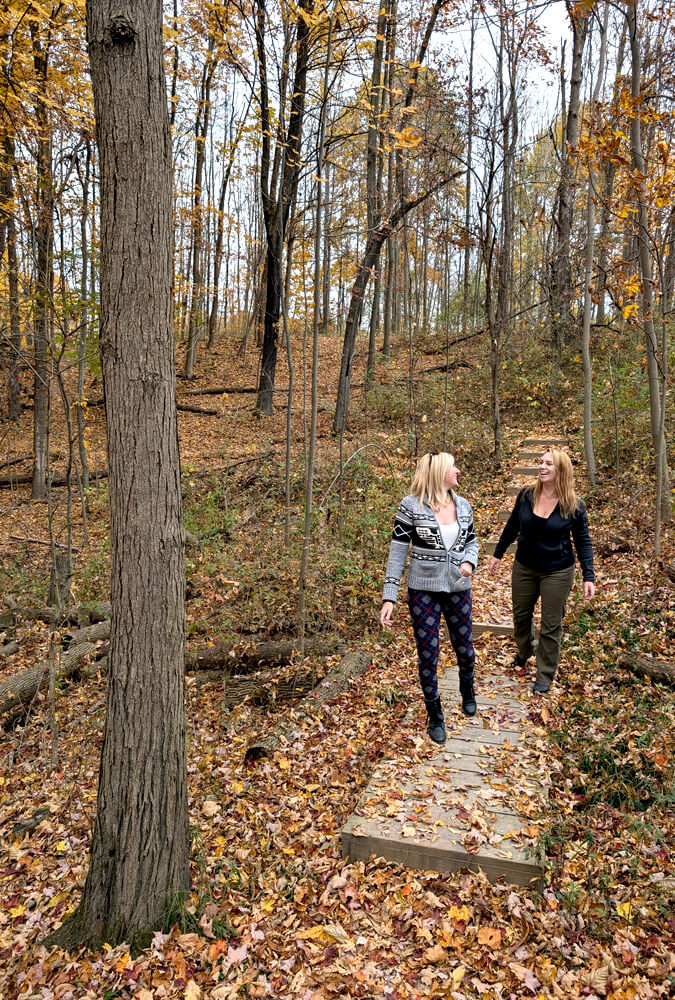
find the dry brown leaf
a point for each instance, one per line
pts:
(434, 955)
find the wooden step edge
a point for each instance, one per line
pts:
(543, 442)
(487, 628)
(491, 545)
(526, 470)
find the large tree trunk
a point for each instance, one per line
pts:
(140, 847)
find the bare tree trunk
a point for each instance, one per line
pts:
(43, 284)
(14, 387)
(374, 174)
(140, 847)
(389, 297)
(309, 472)
(638, 162)
(326, 276)
(374, 241)
(201, 131)
(277, 202)
(588, 276)
(561, 278)
(607, 215)
(84, 332)
(469, 154)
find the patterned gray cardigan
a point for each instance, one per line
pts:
(431, 566)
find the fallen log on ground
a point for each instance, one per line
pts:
(265, 686)
(220, 390)
(68, 616)
(27, 477)
(268, 654)
(335, 683)
(647, 666)
(670, 571)
(16, 693)
(224, 657)
(89, 633)
(202, 410)
(9, 649)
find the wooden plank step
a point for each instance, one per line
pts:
(544, 442)
(525, 456)
(503, 515)
(479, 628)
(425, 815)
(513, 491)
(491, 545)
(526, 470)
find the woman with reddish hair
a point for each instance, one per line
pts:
(546, 519)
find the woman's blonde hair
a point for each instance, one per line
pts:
(430, 477)
(564, 482)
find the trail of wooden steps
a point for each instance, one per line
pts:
(457, 809)
(454, 811)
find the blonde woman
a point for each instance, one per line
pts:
(438, 523)
(546, 519)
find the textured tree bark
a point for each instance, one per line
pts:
(140, 846)
(647, 666)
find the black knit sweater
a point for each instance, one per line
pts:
(545, 543)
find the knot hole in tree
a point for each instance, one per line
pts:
(122, 30)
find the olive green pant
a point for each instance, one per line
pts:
(527, 585)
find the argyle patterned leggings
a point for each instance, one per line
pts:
(425, 611)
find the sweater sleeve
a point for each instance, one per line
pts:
(582, 542)
(401, 538)
(511, 528)
(471, 549)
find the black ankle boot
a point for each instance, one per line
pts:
(435, 720)
(468, 696)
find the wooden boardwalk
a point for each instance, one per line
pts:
(470, 804)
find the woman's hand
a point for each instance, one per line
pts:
(385, 613)
(466, 569)
(494, 564)
(589, 590)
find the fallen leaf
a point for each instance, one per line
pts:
(491, 936)
(434, 955)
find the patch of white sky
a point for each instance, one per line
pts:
(538, 79)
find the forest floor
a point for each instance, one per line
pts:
(274, 910)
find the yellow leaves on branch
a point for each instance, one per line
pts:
(406, 139)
